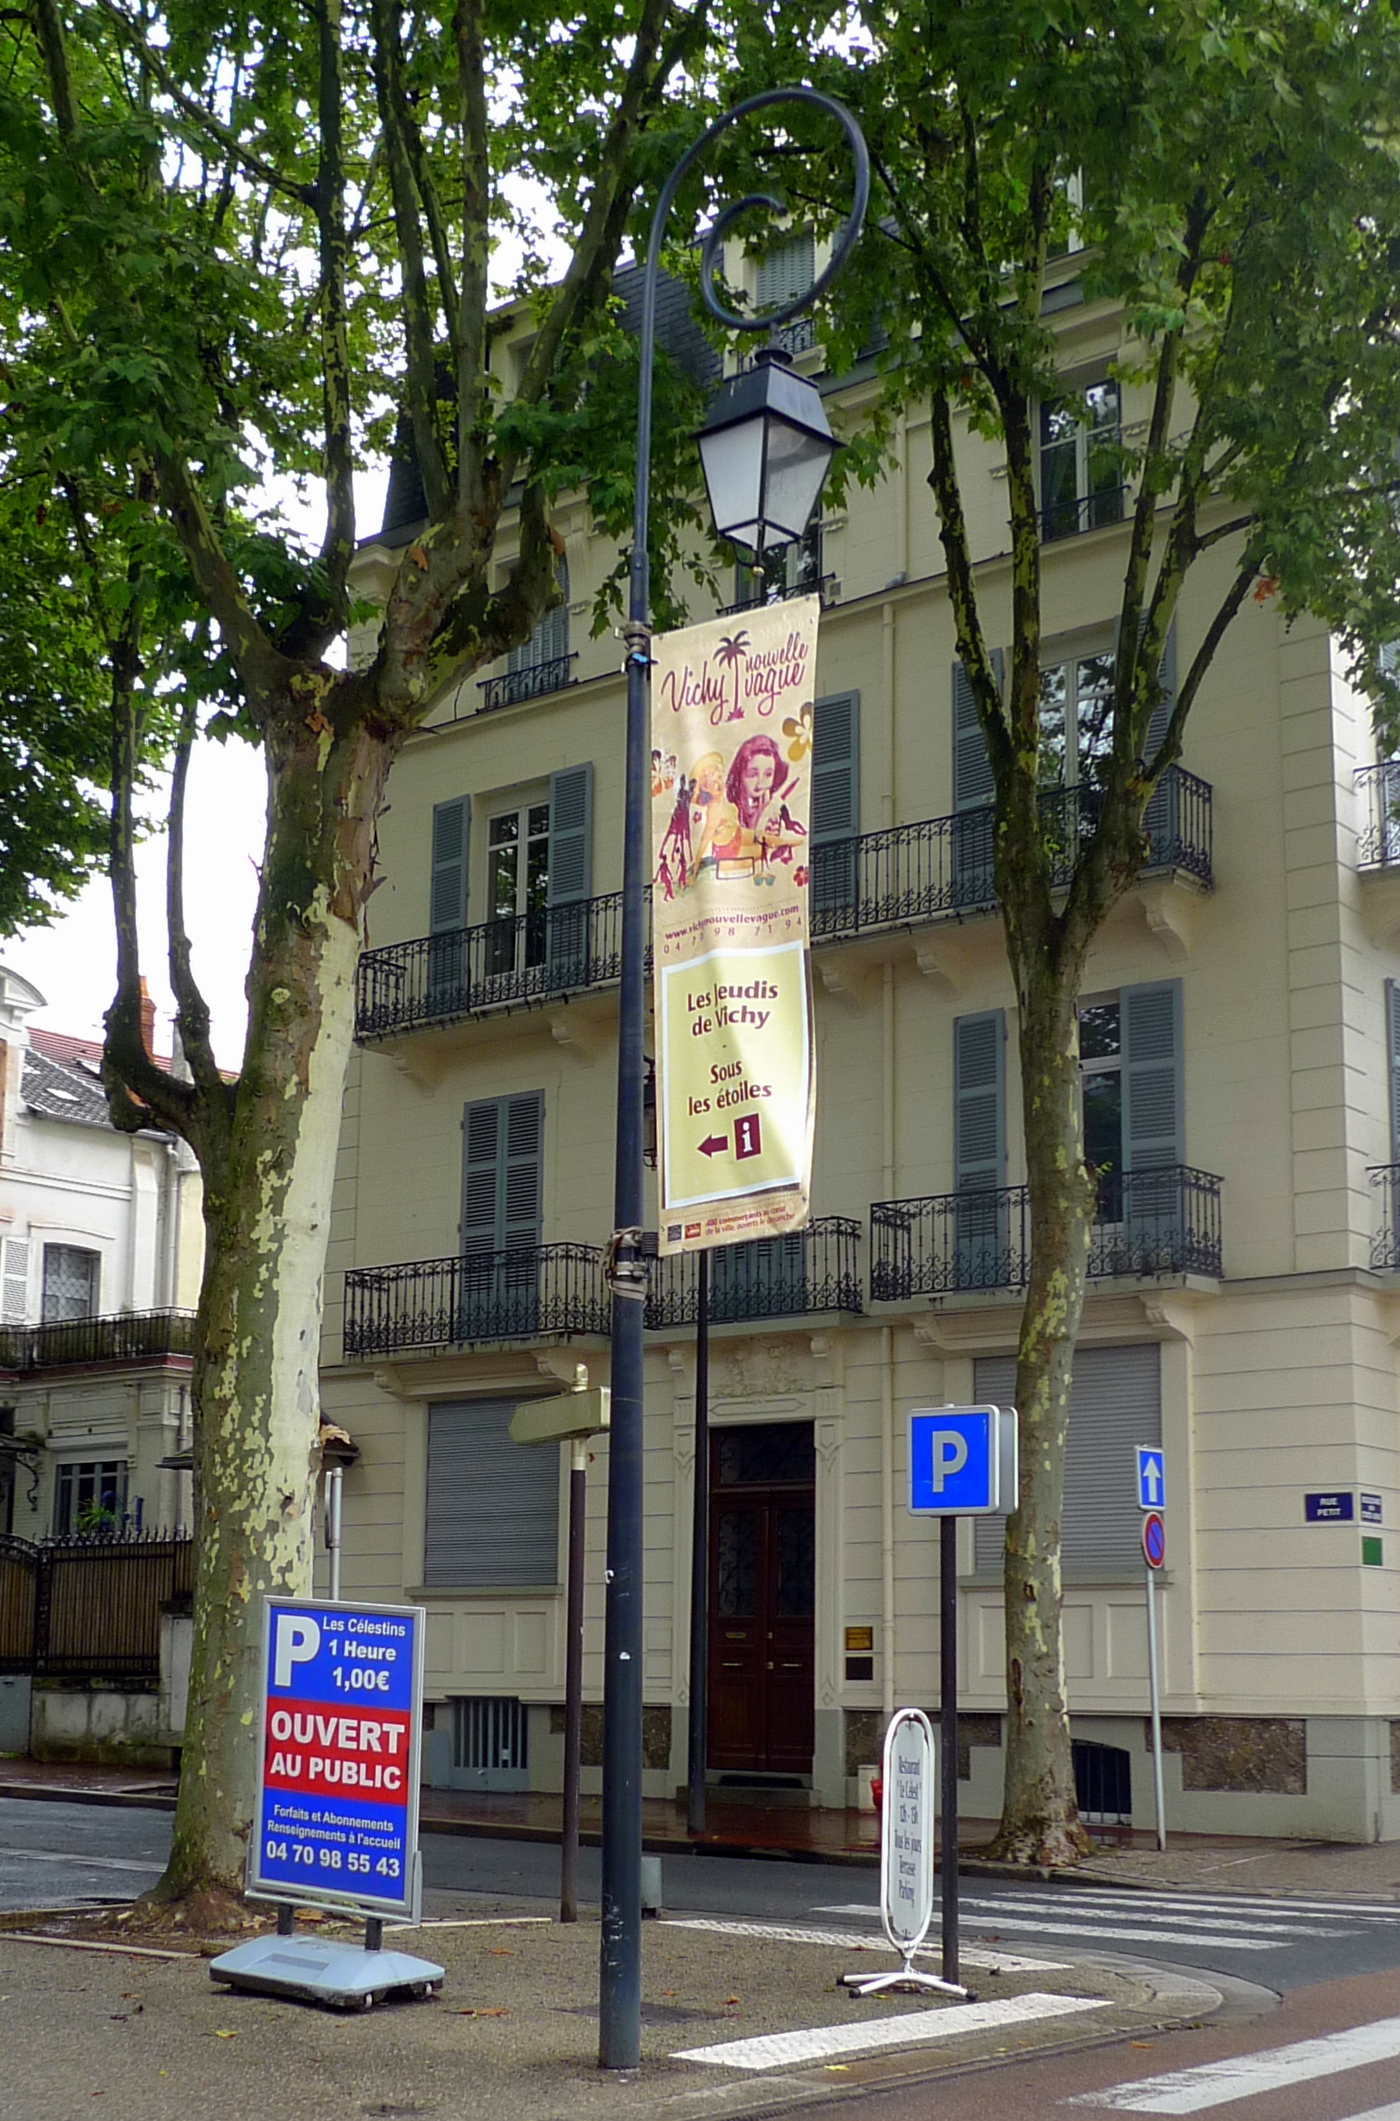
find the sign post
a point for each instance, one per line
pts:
(961, 1461)
(906, 1856)
(1152, 1497)
(335, 1822)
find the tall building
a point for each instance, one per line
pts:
(1240, 1040)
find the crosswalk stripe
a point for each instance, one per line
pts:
(1190, 2091)
(1005, 1912)
(1005, 1919)
(1227, 1904)
(907, 2029)
(850, 1941)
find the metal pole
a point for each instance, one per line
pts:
(335, 1476)
(700, 1559)
(948, 1735)
(573, 1679)
(1154, 1688)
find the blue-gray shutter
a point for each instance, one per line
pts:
(1392, 1040)
(786, 272)
(835, 813)
(1166, 678)
(502, 1157)
(492, 1516)
(1115, 1404)
(973, 880)
(550, 639)
(979, 1100)
(447, 902)
(570, 875)
(1153, 1124)
(481, 1147)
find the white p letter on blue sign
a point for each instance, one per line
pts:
(957, 1462)
(298, 1640)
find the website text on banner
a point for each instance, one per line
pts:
(337, 1816)
(731, 785)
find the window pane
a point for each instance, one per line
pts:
(1100, 1031)
(502, 884)
(1103, 1120)
(505, 830)
(1094, 687)
(737, 1565)
(1054, 688)
(70, 1282)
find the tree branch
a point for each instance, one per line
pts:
(260, 665)
(338, 545)
(216, 1097)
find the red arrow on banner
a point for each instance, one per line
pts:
(713, 1143)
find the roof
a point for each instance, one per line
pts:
(69, 1090)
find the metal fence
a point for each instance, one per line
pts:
(1159, 1221)
(816, 1269)
(531, 683)
(90, 1607)
(128, 1336)
(443, 1303)
(1379, 787)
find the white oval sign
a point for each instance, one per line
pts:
(906, 1831)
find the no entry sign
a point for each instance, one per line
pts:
(1154, 1539)
(337, 1810)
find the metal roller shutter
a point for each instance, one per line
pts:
(493, 1506)
(1115, 1405)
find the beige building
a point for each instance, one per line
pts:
(1241, 1043)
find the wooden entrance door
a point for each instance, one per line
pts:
(762, 1598)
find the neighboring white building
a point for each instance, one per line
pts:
(101, 1248)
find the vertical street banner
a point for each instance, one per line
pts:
(731, 784)
(336, 1821)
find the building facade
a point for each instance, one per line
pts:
(101, 1247)
(1240, 1037)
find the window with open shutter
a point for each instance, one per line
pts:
(570, 874)
(835, 815)
(979, 1148)
(973, 795)
(1115, 1404)
(492, 1516)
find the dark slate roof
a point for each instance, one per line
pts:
(405, 504)
(58, 1090)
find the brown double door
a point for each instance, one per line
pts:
(762, 1598)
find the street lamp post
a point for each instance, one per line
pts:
(765, 452)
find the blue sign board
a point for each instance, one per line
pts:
(1370, 1509)
(1151, 1478)
(1336, 1506)
(337, 1803)
(956, 1459)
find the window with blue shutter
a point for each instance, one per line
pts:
(973, 795)
(786, 272)
(502, 1208)
(548, 645)
(570, 875)
(835, 814)
(979, 1149)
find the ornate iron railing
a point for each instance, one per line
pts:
(1385, 1245)
(1159, 1221)
(531, 683)
(1065, 519)
(127, 1336)
(451, 1303)
(816, 1269)
(500, 964)
(943, 867)
(936, 870)
(824, 586)
(1379, 844)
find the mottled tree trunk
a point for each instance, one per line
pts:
(256, 1396)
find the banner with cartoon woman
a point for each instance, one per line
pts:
(731, 785)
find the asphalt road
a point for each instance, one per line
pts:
(55, 1853)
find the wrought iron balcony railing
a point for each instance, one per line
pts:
(502, 963)
(127, 1336)
(937, 870)
(823, 586)
(450, 1303)
(1379, 844)
(1090, 511)
(816, 1269)
(944, 866)
(531, 683)
(1385, 1245)
(1159, 1221)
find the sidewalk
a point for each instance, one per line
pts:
(1207, 1862)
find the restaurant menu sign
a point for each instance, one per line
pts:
(731, 784)
(336, 1822)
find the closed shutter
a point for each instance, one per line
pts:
(1115, 1404)
(448, 894)
(1153, 1126)
(835, 816)
(492, 1514)
(1392, 1036)
(14, 1280)
(786, 272)
(550, 639)
(979, 1092)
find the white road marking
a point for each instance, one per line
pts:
(910, 2028)
(1002, 1915)
(1189, 2091)
(1004, 1912)
(850, 1941)
(82, 1863)
(1238, 1911)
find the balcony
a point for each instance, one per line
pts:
(816, 1269)
(823, 586)
(531, 683)
(902, 878)
(127, 1336)
(1379, 787)
(1160, 1221)
(1385, 1245)
(1091, 511)
(451, 1303)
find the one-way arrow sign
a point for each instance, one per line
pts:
(713, 1144)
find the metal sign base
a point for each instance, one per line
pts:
(316, 1970)
(907, 1976)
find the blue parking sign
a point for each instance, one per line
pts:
(955, 1460)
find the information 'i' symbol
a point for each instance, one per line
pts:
(748, 1140)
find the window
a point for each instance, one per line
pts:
(492, 1517)
(517, 887)
(502, 1186)
(1101, 1087)
(1130, 1080)
(1081, 474)
(545, 655)
(90, 1496)
(1115, 1404)
(1076, 710)
(785, 273)
(70, 1282)
(788, 571)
